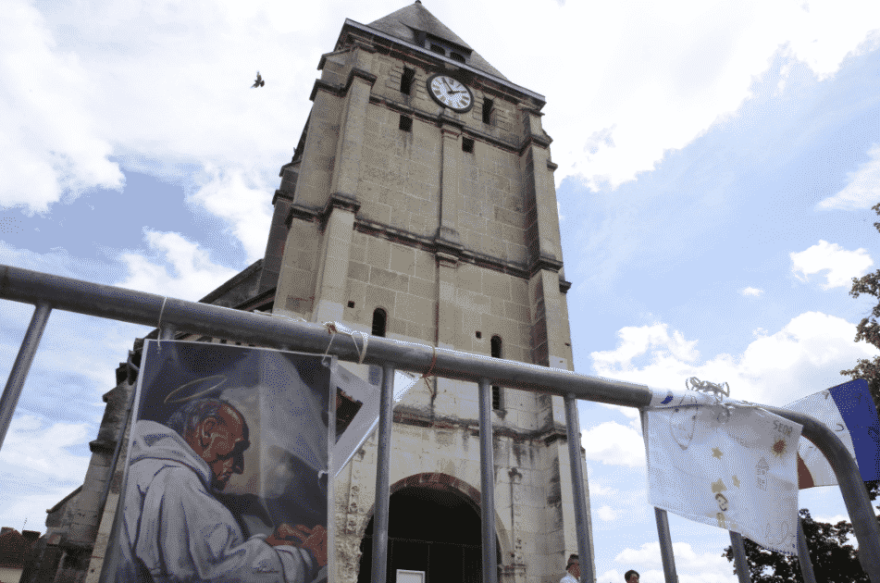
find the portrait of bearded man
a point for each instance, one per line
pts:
(175, 529)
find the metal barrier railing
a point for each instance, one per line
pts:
(49, 292)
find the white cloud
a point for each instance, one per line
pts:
(39, 468)
(162, 89)
(600, 489)
(831, 519)
(752, 292)
(606, 513)
(636, 341)
(800, 359)
(242, 201)
(49, 133)
(863, 188)
(165, 87)
(34, 448)
(611, 575)
(692, 567)
(639, 102)
(178, 268)
(25, 505)
(614, 444)
(841, 265)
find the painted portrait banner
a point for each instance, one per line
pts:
(728, 466)
(227, 476)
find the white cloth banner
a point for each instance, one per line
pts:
(365, 417)
(732, 467)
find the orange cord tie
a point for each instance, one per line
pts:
(430, 370)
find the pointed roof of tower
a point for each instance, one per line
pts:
(406, 23)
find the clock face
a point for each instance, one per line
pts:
(450, 93)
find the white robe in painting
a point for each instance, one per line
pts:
(175, 530)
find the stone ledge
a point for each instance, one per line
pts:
(360, 74)
(534, 140)
(439, 481)
(102, 446)
(283, 195)
(418, 418)
(322, 85)
(466, 130)
(444, 250)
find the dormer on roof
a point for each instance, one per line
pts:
(442, 46)
(414, 24)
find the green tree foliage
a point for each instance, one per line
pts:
(833, 556)
(868, 329)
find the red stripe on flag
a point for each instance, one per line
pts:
(805, 478)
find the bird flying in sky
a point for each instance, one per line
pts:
(259, 82)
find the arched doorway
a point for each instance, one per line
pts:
(432, 530)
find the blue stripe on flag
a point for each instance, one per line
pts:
(853, 400)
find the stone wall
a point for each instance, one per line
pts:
(530, 508)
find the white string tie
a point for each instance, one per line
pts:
(334, 328)
(721, 392)
(159, 324)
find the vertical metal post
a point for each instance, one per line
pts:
(804, 555)
(666, 552)
(585, 545)
(383, 474)
(487, 484)
(739, 558)
(21, 366)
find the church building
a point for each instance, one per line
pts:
(419, 205)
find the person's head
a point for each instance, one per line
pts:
(217, 432)
(631, 576)
(574, 566)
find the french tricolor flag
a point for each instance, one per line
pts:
(848, 410)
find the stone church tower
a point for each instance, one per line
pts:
(420, 205)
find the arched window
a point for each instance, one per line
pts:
(380, 319)
(496, 391)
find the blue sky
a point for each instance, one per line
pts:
(717, 164)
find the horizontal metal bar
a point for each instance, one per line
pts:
(63, 293)
(104, 301)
